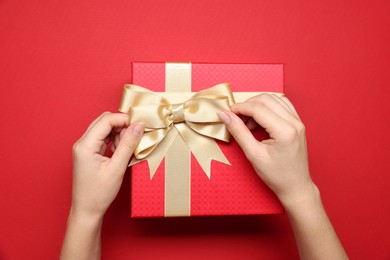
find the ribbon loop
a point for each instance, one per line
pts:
(195, 119)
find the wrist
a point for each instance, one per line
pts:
(82, 239)
(85, 219)
(304, 198)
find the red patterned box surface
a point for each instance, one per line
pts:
(231, 190)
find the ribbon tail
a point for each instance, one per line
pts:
(154, 159)
(204, 148)
(153, 163)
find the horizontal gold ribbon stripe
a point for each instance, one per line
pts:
(176, 97)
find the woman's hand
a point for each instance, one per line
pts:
(281, 161)
(97, 180)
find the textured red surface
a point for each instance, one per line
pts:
(231, 190)
(62, 63)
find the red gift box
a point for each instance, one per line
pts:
(231, 189)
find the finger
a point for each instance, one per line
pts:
(265, 117)
(282, 103)
(105, 125)
(125, 149)
(239, 131)
(104, 147)
(270, 102)
(249, 122)
(115, 143)
(291, 106)
(93, 123)
(117, 139)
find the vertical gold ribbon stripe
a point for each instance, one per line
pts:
(178, 157)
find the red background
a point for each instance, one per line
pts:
(62, 63)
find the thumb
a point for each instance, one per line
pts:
(128, 143)
(239, 131)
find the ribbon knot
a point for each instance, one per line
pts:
(195, 120)
(177, 113)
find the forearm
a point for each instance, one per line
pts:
(314, 233)
(82, 238)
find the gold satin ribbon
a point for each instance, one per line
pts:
(195, 120)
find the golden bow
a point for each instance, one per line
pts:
(195, 120)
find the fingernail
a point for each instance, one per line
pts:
(138, 129)
(224, 117)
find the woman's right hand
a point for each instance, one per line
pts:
(280, 161)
